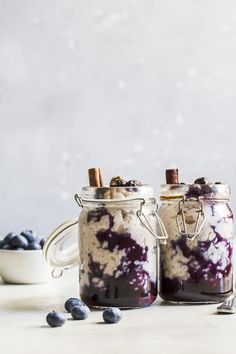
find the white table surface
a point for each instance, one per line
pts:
(160, 328)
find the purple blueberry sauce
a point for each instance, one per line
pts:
(208, 280)
(130, 284)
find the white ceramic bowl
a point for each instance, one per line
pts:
(24, 267)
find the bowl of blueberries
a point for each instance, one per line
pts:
(21, 259)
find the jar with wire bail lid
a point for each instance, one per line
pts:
(196, 263)
(117, 250)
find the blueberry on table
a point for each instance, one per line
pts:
(71, 302)
(201, 180)
(33, 246)
(42, 242)
(9, 237)
(30, 235)
(55, 319)
(19, 241)
(112, 315)
(80, 312)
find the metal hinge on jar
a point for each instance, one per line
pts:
(144, 221)
(140, 214)
(181, 219)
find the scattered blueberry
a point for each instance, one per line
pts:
(9, 237)
(201, 180)
(29, 235)
(218, 182)
(112, 315)
(33, 246)
(55, 319)
(42, 242)
(19, 241)
(71, 302)
(133, 183)
(79, 312)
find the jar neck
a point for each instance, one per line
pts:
(100, 194)
(195, 192)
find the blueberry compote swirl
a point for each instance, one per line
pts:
(199, 270)
(118, 259)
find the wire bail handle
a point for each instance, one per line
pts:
(181, 222)
(78, 200)
(140, 214)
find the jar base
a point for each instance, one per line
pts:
(193, 303)
(125, 304)
(178, 291)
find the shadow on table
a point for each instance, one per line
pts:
(24, 304)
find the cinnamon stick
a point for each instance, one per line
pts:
(172, 176)
(95, 177)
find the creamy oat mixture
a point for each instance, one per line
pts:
(218, 229)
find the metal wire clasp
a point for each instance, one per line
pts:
(181, 222)
(140, 214)
(144, 221)
(78, 200)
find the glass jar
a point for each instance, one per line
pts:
(117, 246)
(196, 262)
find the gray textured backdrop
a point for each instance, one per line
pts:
(133, 86)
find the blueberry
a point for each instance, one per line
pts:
(201, 180)
(206, 189)
(120, 183)
(55, 319)
(112, 315)
(33, 246)
(42, 242)
(218, 182)
(19, 241)
(71, 302)
(117, 182)
(80, 312)
(9, 237)
(133, 183)
(29, 235)
(194, 191)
